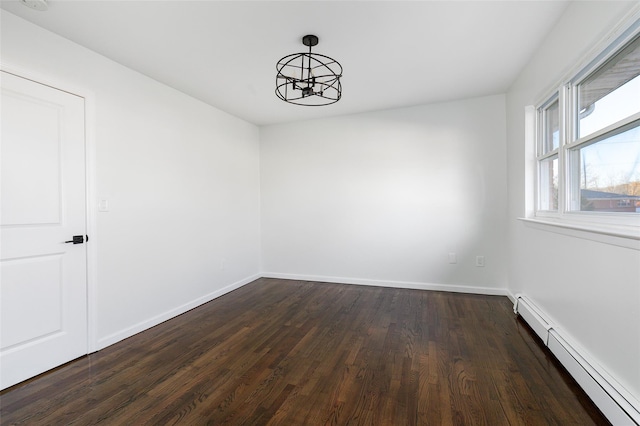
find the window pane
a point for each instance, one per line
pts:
(610, 174)
(551, 128)
(548, 194)
(611, 93)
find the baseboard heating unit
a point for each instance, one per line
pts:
(610, 397)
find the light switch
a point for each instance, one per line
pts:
(103, 205)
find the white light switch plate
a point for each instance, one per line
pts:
(103, 205)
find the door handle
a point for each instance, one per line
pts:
(78, 239)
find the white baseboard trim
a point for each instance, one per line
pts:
(615, 402)
(490, 291)
(151, 322)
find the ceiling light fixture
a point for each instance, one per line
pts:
(309, 79)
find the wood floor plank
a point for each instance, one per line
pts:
(284, 352)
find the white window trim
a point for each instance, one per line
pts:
(621, 229)
(620, 236)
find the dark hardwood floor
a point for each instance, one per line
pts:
(303, 353)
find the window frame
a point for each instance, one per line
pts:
(566, 93)
(542, 156)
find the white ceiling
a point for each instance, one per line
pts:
(394, 53)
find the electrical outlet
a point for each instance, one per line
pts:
(453, 258)
(480, 261)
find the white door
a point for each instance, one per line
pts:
(43, 284)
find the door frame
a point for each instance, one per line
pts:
(91, 207)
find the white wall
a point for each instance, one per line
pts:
(590, 289)
(376, 198)
(384, 197)
(182, 179)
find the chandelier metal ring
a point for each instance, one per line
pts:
(309, 79)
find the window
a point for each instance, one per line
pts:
(588, 140)
(548, 147)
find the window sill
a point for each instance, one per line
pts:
(617, 235)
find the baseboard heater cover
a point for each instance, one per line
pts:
(611, 398)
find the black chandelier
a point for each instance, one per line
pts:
(309, 78)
